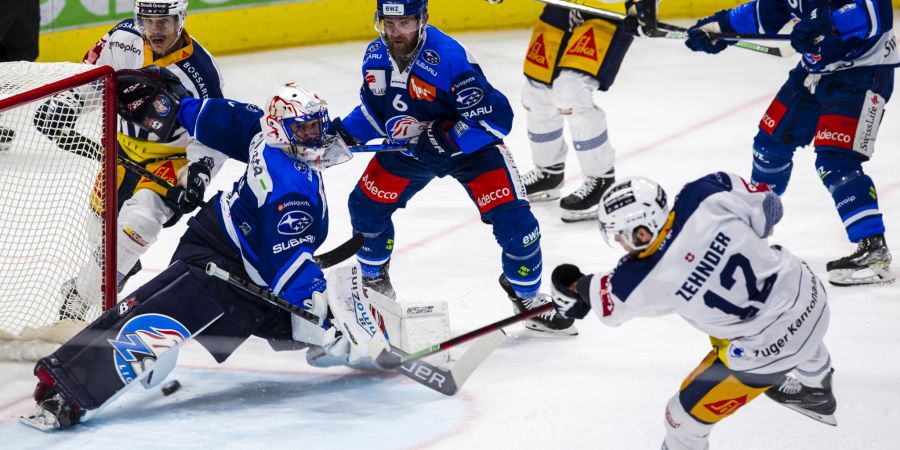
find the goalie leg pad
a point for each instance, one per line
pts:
(126, 342)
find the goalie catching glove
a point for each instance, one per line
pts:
(566, 300)
(149, 98)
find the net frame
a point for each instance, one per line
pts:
(35, 90)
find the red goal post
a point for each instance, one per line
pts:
(57, 202)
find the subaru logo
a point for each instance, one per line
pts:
(294, 222)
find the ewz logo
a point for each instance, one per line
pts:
(141, 340)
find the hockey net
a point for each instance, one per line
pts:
(57, 203)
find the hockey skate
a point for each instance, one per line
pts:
(548, 322)
(74, 306)
(382, 282)
(816, 403)
(544, 183)
(53, 413)
(583, 204)
(869, 264)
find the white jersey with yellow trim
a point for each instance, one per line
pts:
(713, 265)
(123, 48)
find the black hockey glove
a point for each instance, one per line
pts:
(812, 32)
(645, 13)
(149, 98)
(567, 302)
(336, 128)
(188, 198)
(435, 146)
(699, 39)
(56, 117)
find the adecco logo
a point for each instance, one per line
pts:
(486, 199)
(827, 135)
(381, 186)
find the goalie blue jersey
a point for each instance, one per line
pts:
(275, 216)
(443, 82)
(865, 28)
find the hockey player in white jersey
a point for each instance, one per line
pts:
(156, 35)
(709, 261)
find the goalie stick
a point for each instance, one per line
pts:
(391, 358)
(446, 381)
(669, 31)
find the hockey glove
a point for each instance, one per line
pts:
(812, 31)
(336, 128)
(187, 198)
(149, 98)
(56, 117)
(645, 13)
(699, 39)
(435, 146)
(566, 301)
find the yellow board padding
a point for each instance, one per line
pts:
(241, 30)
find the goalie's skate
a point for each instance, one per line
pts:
(548, 322)
(869, 264)
(584, 203)
(815, 403)
(53, 413)
(544, 183)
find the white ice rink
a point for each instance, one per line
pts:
(673, 116)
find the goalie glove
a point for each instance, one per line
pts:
(149, 98)
(566, 300)
(56, 117)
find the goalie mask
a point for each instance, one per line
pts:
(296, 122)
(160, 22)
(631, 204)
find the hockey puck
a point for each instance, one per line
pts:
(171, 387)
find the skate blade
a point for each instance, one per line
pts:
(545, 196)
(871, 275)
(40, 422)
(551, 332)
(570, 216)
(827, 419)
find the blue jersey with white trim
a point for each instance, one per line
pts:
(276, 215)
(443, 82)
(712, 265)
(865, 28)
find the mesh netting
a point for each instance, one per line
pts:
(53, 243)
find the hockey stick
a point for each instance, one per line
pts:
(340, 253)
(142, 171)
(363, 148)
(390, 359)
(447, 382)
(665, 30)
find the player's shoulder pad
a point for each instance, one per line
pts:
(203, 72)
(376, 55)
(445, 53)
(125, 26)
(283, 174)
(630, 273)
(694, 193)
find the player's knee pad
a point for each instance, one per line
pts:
(772, 162)
(683, 431)
(536, 98)
(590, 138)
(519, 235)
(130, 342)
(573, 92)
(141, 219)
(853, 193)
(545, 125)
(376, 250)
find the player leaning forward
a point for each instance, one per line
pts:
(422, 89)
(155, 36)
(265, 230)
(709, 261)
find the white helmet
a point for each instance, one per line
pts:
(629, 204)
(160, 8)
(296, 122)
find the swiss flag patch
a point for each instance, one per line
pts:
(758, 187)
(605, 298)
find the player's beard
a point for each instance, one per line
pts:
(402, 48)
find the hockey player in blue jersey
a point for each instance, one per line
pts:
(834, 98)
(265, 230)
(422, 89)
(708, 260)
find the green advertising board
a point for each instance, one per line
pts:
(68, 14)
